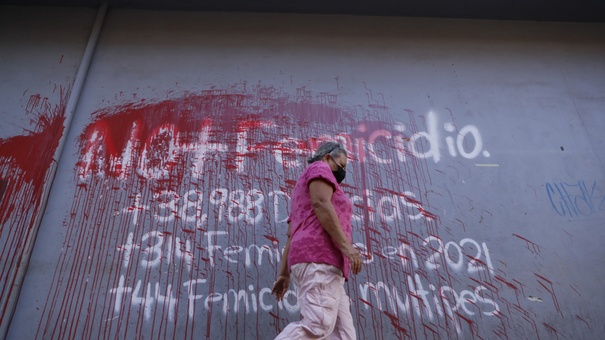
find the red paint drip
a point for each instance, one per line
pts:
(395, 322)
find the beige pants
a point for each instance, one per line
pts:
(325, 309)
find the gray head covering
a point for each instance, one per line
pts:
(328, 148)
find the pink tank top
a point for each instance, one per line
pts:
(309, 240)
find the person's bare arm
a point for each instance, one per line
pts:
(321, 198)
(283, 280)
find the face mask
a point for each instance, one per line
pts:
(340, 173)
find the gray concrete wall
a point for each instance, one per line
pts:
(476, 171)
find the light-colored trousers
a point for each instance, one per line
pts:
(325, 309)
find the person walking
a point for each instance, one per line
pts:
(319, 254)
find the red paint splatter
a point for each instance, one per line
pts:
(551, 290)
(533, 247)
(25, 161)
(395, 322)
(238, 128)
(271, 238)
(551, 329)
(503, 280)
(582, 319)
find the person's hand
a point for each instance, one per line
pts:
(281, 286)
(354, 258)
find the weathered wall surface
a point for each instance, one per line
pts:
(476, 169)
(40, 51)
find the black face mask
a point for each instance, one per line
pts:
(340, 173)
